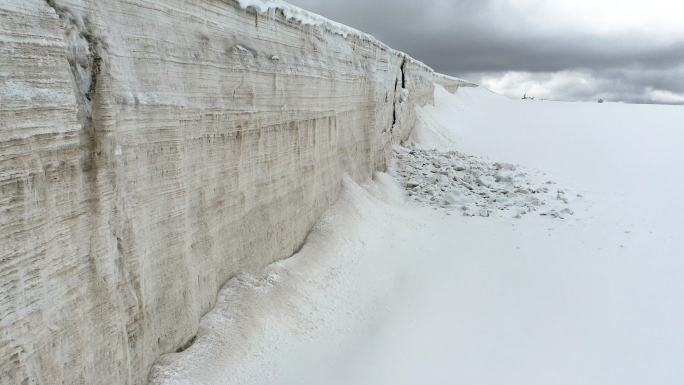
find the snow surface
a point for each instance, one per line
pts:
(304, 17)
(387, 291)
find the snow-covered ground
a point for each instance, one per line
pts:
(396, 285)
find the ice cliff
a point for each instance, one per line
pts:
(149, 150)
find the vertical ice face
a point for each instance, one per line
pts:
(153, 149)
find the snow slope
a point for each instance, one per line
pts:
(390, 292)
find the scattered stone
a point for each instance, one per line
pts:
(561, 197)
(504, 166)
(477, 186)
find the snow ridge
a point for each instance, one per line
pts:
(306, 18)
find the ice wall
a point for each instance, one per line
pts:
(149, 150)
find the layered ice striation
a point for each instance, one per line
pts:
(151, 150)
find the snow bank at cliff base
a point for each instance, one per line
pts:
(387, 291)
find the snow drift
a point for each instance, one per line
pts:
(392, 292)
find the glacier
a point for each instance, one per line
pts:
(150, 151)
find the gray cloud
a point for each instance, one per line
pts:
(622, 85)
(493, 37)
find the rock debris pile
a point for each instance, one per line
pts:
(476, 187)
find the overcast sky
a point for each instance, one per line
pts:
(577, 50)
